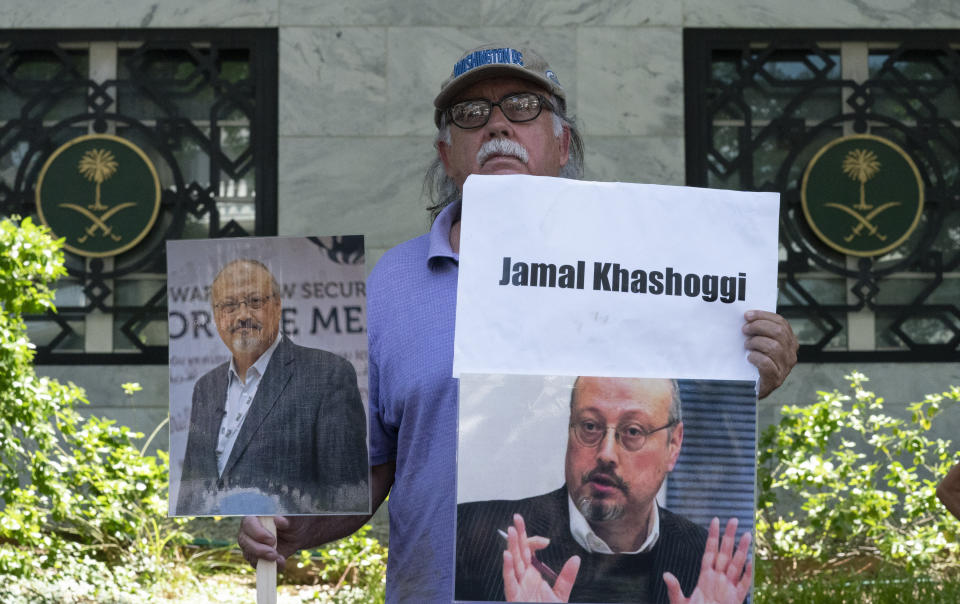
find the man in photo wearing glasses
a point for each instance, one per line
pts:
(278, 429)
(602, 537)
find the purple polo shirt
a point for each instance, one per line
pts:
(411, 304)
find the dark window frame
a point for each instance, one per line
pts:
(699, 44)
(262, 45)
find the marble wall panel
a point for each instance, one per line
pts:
(630, 81)
(822, 13)
(332, 81)
(583, 12)
(133, 13)
(354, 185)
(103, 385)
(420, 59)
(379, 12)
(478, 13)
(640, 159)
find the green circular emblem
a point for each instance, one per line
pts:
(100, 193)
(862, 195)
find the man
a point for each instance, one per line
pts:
(948, 491)
(279, 428)
(602, 530)
(411, 299)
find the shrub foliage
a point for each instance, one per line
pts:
(83, 509)
(859, 485)
(353, 569)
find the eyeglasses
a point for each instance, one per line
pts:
(516, 107)
(229, 307)
(590, 433)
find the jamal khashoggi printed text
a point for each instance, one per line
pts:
(612, 277)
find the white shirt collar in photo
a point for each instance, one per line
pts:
(258, 367)
(590, 541)
(240, 394)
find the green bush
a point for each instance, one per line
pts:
(352, 569)
(83, 509)
(894, 585)
(862, 487)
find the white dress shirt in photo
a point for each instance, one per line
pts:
(240, 395)
(590, 541)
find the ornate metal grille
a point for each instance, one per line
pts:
(201, 104)
(761, 103)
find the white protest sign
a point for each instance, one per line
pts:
(567, 277)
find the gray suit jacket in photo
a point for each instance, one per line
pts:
(301, 449)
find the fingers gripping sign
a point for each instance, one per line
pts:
(525, 577)
(725, 575)
(257, 542)
(772, 348)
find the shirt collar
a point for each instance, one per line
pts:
(440, 233)
(259, 366)
(590, 541)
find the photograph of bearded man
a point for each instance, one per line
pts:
(602, 536)
(278, 429)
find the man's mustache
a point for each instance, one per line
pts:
(245, 324)
(606, 476)
(502, 146)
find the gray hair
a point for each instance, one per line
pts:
(674, 414)
(274, 286)
(442, 191)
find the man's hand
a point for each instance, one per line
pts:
(300, 532)
(293, 533)
(949, 491)
(773, 348)
(522, 582)
(723, 579)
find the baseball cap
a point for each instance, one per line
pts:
(497, 61)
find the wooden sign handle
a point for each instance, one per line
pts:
(267, 570)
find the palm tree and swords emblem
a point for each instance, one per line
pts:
(862, 165)
(98, 165)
